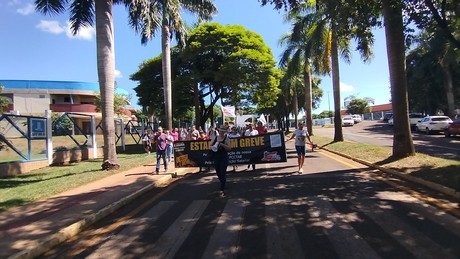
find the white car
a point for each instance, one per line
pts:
(414, 118)
(391, 121)
(348, 121)
(357, 118)
(433, 123)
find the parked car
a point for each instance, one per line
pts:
(387, 116)
(433, 123)
(357, 118)
(391, 121)
(414, 118)
(348, 121)
(453, 129)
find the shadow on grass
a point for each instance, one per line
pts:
(12, 203)
(447, 176)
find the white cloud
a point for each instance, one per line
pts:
(13, 2)
(85, 33)
(54, 27)
(118, 74)
(26, 10)
(51, 26)
(346, 88)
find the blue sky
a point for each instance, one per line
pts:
(38, 47)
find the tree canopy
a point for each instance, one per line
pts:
(227, 63)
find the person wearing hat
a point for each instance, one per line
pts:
(221, 145)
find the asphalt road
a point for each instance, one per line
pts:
(380, 134)
(335, 209)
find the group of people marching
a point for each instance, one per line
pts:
(163, 143)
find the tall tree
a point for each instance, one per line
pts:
(149, 16)
(232, 64)
(82, 14)
(307, 48)
(394, 33)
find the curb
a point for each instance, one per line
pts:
(434, 186)
(70, 231)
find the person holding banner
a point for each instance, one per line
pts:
(220, 145)
(251, 131)
(234, 134)
(300, 135)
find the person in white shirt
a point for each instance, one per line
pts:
(234, 134)
(251, 131)
(300, 135)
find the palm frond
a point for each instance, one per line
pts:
(81, 14)
(52, 7)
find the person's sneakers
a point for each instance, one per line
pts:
(301, 170)
(222, 194)
(157, 171)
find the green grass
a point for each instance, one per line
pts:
(45, 182)
(439, 170)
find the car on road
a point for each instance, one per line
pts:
(348, 121)
(414, 118)
(387, 116)
(357, 118)
(431, 124)
(453, 129)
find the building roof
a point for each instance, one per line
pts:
(49, 85)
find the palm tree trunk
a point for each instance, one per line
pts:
(296, 106)
(338, 134)
(166, 68)
(106, 70)
(402, 139)
(308, 99)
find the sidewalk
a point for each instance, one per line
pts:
(29, 230)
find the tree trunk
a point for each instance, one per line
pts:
(308, 99)
(196, 102)
(296, 106)
(106, 75)
(166, 69)
(448, 83)
(394, 33)
(338, 134)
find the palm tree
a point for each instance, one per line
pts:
(82, 13)
(149, 16)
(305, 51)
(394, 31)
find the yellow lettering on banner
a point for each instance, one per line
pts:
(234, 143)
(199, 145)
(252, 142)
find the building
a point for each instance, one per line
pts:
(33, 97)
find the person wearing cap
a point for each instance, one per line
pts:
(251, 131)
(300, 135)
(221, 146)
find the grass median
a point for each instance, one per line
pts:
(439, 170)
(38, 184)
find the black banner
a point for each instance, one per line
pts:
(261, 149)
